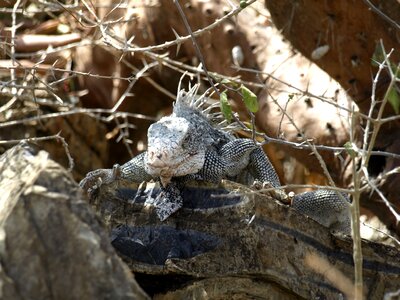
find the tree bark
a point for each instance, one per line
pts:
(52, 245)
(352, 30)
(249, 243)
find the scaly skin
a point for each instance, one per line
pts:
(235, 158)
(188, 145)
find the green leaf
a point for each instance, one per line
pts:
(248, 125)
(229, 83)
(350, 149)
(243, 4)
(225, 81)
(225, 106)
(249, 98)
(394, 99)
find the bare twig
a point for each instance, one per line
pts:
(196, 46)
(46, 138)
(131, 84)
(355, 219)
(372, 107)
(391, 237)
(377, 124)
(13, 38)
(180, 40)
(381, 14)
(381, 195)
(307, 141)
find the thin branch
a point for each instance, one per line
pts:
(46, 138)
(382, 232)
(196, 46)
(61, 70)
(377, 125)
(302, 92)
(307, 141)
(87, 111)
(372, 106)
(381, 195)
(355, 219)
(124, 133)
(131, 84)
(183, 39)
(310, 186)
(381, 14)
(13, 38)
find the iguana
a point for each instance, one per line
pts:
(193, 144)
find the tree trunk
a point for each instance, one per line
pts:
(352, 30)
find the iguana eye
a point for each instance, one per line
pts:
(186, 141)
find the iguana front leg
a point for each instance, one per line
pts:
(133, 171)
(168, 201)
(232, 159)
(262, 169)
(243, 154)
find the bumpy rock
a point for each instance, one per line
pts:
(236, 246)
(52, 246)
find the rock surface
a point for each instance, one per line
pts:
(228, 246)
(52, 246)
(245, 247)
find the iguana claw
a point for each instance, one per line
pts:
(95, 179)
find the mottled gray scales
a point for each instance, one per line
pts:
(214, 166)
(262, 169)
(326, 207)
(134, 170)
(236, 155)
(190, 144)
(168, 201)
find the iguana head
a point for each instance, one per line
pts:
(177, 143)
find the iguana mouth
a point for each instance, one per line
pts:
(165, 180)
(165, 163)
(166, 167)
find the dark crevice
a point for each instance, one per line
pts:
(376, 164)
(160, 284)
(155, 244)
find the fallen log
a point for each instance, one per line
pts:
(246, 239)
(52, 246)
(228, 245)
